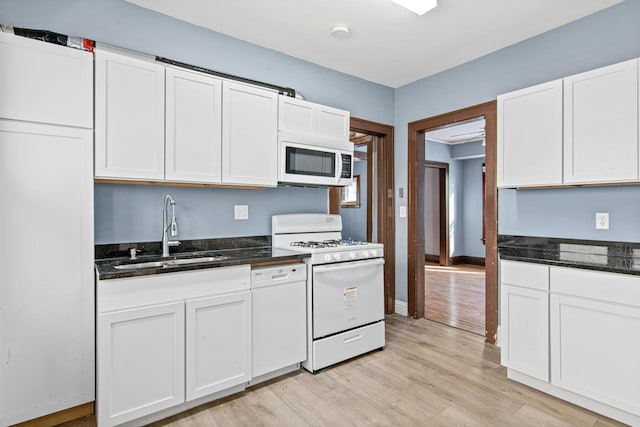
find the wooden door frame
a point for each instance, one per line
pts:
(443, 206)
(386, 203)
(415, 238)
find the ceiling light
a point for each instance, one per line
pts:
(340, 32)
(417, 6)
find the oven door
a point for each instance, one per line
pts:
(347, 295)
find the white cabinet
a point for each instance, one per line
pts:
(525, 318)
(249, 135)
(299, 116)
(45, 83)
(141, 353)
(218, 343)
(601, 124)
(595, 336)
(170, 338)
(129, 110)
(530, 136)
(193, 127)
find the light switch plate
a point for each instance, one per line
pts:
(241, 211)
(403, 212)
(602, 220)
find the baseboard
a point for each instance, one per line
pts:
(472, 260)
(402, 308)
(431, 258)
(60, 417)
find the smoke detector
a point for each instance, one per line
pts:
(340, 32)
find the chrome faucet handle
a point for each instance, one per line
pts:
(173, 243)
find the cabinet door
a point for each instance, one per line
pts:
(140, 362)
(525, 331)
(193, 127)
(129, 110)
(333, 123)
(296, 115)
(45, 83)
(218, 343)
(595, 349)
(46, 308)
(601, 124)
(249, 135)
(530, 136)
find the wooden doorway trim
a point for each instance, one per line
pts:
(416, 156)
(443, 206)
(386, 211)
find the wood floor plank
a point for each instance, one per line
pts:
(427, 375)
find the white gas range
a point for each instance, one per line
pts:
(345, 287)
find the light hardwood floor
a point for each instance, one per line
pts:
(427, 375)
(455, 296)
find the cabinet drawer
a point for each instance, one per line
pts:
(618, 288)
(527, 275)
(348, 344)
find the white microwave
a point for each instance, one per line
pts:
(315, 161)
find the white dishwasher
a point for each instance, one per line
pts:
(279, 316)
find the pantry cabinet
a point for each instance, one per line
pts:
(601, 124)
(300, 116)
(193, 127)
(129, 109)
(249, 135)
(530, 136)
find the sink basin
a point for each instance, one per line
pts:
(169, 262)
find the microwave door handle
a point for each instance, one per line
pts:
(339, 160)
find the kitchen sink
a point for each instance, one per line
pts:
(169, 262)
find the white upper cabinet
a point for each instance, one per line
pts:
(45, 83)
(530, 136)
(193, 127)
(249, 135)
(129, 108)
(601, 124)
(299, 116)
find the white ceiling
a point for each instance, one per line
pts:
(459, 133)
(388, 44)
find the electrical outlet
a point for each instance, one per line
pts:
(241, 211)
(602, 220)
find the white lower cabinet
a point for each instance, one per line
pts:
(218, 343)
(141, 353)
(580, 341)
(167, 339)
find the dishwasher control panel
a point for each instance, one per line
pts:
(267, 276)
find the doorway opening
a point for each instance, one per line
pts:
(367, 209)
(418, 132)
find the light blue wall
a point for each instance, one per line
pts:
(600, 39)
(354, 220)
(467, 149)
(472, 207)
(132, 213)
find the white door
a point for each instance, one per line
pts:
(249, 135)
(140, 362)
(46, 269)
(346, 295)
(193, 127)
(333, 123)
(525, 331)
(45, 83)
(129, 109)
(601, 124)
(296, 115)
(218, 345)
(595, 349)
(530, 136)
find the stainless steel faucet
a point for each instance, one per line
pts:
(169, 227)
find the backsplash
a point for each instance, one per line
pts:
(133, 213)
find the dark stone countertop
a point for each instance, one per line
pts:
(236, 251)
(614, 257)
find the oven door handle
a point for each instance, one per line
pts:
(347, 265)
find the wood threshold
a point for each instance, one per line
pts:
(60, 417)
(415, 238)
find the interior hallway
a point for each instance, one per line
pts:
(455, 296)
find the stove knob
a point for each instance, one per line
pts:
(374, 252)
(337, 257)
(327, 258)
(352, 255)
(365, 254)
